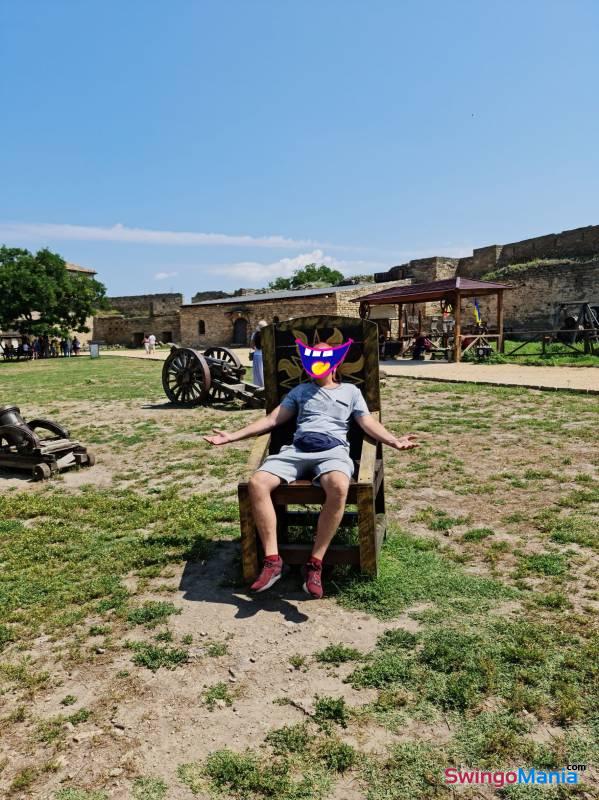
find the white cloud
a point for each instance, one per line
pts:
(162, 276)
(251, 271)
(121, 233)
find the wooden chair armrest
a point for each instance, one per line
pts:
(368, 456)
(367, 461)
(257, 453)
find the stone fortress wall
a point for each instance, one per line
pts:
(132, 317)
(544, 271)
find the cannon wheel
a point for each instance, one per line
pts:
(185, 377)
(219, 393)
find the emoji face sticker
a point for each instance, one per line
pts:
(321, 359)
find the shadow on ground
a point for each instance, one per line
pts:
(217, 581)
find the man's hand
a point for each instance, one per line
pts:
(220, 437)
(404, 442)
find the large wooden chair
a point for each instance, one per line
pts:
(283, 371)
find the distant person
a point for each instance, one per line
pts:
(76, 346)
(256, 346)
(146, 344)
(422, 345)
(151, 344)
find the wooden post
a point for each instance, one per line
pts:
(500, 345)
(457, 315)
(400, 327)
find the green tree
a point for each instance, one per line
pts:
(311, 273)
(39, 295)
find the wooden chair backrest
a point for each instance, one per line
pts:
(283, 368)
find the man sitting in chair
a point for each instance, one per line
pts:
(320, 451)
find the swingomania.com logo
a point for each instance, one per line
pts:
(569, 774)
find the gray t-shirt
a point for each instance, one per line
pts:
(325, 410)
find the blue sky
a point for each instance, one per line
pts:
(198, 145)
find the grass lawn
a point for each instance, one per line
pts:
(132, 664)
(556, 355)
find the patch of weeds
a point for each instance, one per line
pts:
(68, 700)
(489, 740)
(151, 613)
(246, 776)
(217, 692)
(78, 546)
(331, 709)
(18, 715)
(187, 639)
(50, 730)
(23, 779)
(6, 636)
(298, 661)
(99, 630)
(477, 534)
(579, 498)
(514, 518)
(544, 564)
(154, 657)
(337, 654)
(22, 676)
(584, 477)
(80, 794)
(412, 770)
(437, 519)
(410, 572)
(164, 636)
(577, 529)
(217, 649)
(289, 739)
(79, 716)
(147, 788)
(335, 755)
(555, 600)
(539, 474)
(397, 638)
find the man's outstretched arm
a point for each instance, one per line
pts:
(377, 430)
(278, 416)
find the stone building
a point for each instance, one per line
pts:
(130, 318)
(231, 321)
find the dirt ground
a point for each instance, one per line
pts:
(147, 723)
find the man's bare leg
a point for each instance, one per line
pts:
(335, 485)
(261, 484)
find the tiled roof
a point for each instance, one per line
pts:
(434, 290)
(285, 295)
(77, 268)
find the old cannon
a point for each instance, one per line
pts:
(190, 378)
(21, 447)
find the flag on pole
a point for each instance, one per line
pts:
(476, 312)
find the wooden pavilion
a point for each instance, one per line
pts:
(449, 293)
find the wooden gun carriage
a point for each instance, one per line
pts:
(191, 378)
(21, 448)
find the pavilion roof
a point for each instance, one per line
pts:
(434, 290)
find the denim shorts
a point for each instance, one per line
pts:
(290, 464)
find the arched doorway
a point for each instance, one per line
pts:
(240, 331)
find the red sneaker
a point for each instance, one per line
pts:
(271, 572)
(313, 580)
